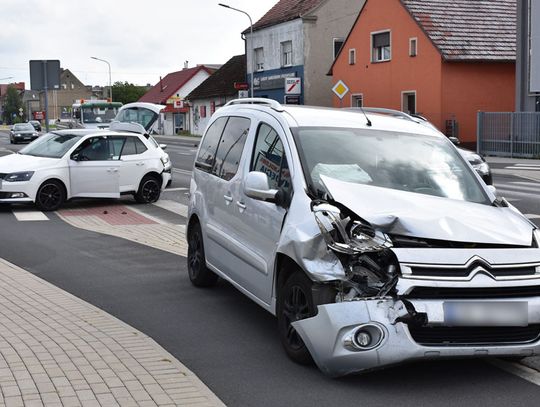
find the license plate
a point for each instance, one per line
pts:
(491, 313)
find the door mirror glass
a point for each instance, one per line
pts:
(256, 187)
(454, 140)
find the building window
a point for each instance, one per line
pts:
(413, 47)
(338, 43)
(202, 111)
(408, 101)
(357, 100)
(212, 107)
(286, 53)
(380, 47)
(352, 56)
(259, 59)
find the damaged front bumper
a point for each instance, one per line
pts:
(336, 337)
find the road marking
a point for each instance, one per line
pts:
(527, 165)
(153, 218)
(518, 369)
(530, 168)
(180, 171)
(175, 207)
(175, 189)
(532, 216)
(29, 215)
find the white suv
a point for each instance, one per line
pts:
(371, 238)
(86, 163)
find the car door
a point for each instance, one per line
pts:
(257, 224)
(93, 170)
(224, 245)
(133, 161)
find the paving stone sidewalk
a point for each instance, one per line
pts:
(57, 350)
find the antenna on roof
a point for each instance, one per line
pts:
(368, 123)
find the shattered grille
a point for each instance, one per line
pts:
(463, 336)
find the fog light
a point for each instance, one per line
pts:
(18, 195)
(363, 339)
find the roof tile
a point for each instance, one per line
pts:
(468, 29)
(286, 10)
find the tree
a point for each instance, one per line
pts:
(12, 104)
(127, 92)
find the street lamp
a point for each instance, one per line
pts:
(251, 35)
(109, 65)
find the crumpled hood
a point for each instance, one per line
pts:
(430, 217)
(20, 162)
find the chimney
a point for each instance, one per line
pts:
(161, 84)
(186, 64)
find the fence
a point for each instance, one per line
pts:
(509, 134)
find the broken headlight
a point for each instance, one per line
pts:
(347, 236)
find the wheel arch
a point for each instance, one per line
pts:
(62, 183)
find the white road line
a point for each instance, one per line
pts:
(29, 215)
(180, 189)
(180, 171)
(523, 168)
(142, 213)
(532, 216)
(172, 206)
(527, 165)
(537, 184)
(519, 188)
(517, 369)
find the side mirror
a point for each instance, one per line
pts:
(163, 146)
(492, 189)
(454, 140)
(256, 187)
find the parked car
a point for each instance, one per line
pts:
(36, 124)
(22, 132)
(476, 160)
(372, 240)
(87, 163)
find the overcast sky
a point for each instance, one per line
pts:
(141, 39)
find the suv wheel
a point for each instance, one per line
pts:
(149, 190)
(50, 196)
(295, 302)
(199, 274)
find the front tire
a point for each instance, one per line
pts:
(199, 274)
(149, 190)
(50, 196)
(295, 302)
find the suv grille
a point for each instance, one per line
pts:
(2, 175)
(456, 293)
(449, 336)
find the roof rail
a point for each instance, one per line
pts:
(257, 101)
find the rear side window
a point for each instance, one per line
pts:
(139, 145)
(209, 145)
(230, 147)
(129, 146)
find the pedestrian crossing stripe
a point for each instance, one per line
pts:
(25, 215)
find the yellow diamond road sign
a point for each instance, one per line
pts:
(340, 89)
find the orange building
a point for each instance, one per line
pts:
(445, 60)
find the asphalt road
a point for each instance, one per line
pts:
(226, 339)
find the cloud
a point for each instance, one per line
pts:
(142, 40)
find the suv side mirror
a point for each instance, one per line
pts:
(163, 146)
(256, 187)
(454, 140)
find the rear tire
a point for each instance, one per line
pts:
(50, 196)
(149, 190)
(199, 274)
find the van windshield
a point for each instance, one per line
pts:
(407, 162)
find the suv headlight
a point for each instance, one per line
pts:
(165, 160)
(19, 176)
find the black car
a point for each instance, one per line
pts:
(22, 132)
(36, 124)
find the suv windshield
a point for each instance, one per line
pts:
(407, 162)
(51, 145)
